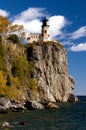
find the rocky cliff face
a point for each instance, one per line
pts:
(51, 72)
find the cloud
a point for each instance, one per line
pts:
(4, 13)
(81, 32)
(31, 14)
(33, 26)
(31, 19)
(56, 23)
(71, 38)
(68, 42)
(79, 47)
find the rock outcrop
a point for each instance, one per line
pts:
(33, 105)
(6, 104)
(51, 72)
(51, 105)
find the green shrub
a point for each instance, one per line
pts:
(14, 91)
(17, 68)
(33, 84)
(21, 68)
(14, 38)
(2, 84)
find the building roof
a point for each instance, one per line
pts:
(35, 34)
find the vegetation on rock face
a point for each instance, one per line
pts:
(14, 90)
(4, 24)
(19, 30)
(14, 38)
(2, 56)
(14, 81)
(2, 84)
(33, 84)
(0, 38)
(2, 51)
(15, 69)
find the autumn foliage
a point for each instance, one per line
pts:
(7, 28)
(15, 69)
(2, 84)
(4, 24)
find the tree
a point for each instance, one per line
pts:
(14, 38)
(19, 30)
(7, 28)
(4, 26)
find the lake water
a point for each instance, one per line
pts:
(70, 116)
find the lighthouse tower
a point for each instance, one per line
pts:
(45, 30)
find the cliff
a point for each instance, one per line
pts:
(51, 72)
(37, 72)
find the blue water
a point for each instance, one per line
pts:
(70, 116)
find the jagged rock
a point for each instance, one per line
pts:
(37, 105)
(76, 99)
(6, 124)
(2, 109)
(51, 105)
(28, 104)
(17, 106)
(5, 102)
(33, 105)
(72, 98)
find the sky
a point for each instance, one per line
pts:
(67, 20)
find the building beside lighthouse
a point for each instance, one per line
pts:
(44, 36)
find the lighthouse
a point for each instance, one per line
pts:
(45, 30)
(44, 36)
